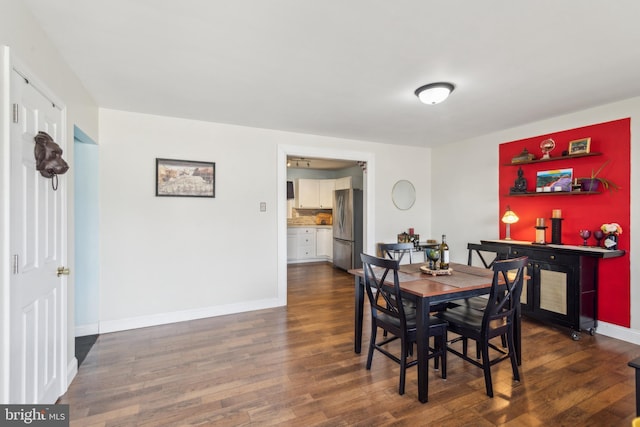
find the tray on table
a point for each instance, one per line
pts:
(441, 272)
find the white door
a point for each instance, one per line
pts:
(38, 246)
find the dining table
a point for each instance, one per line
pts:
(427, 291)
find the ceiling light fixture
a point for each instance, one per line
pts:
(434, 93)
(298, 161)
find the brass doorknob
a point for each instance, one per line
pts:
(62, 270)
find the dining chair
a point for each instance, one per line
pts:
(496, 320)
(482, 249)
(393, 314)
(501, 253)
(396, 250)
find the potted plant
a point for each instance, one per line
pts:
(592, 183)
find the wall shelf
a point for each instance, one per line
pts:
(552, 159)
(553, 193)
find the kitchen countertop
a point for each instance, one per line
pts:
(308, 226)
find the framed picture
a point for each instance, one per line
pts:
(554, 180)
(185, 178)
(580, 146)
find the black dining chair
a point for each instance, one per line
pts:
(392, 313)
(496, 320)
(482, 250)
(396, 251)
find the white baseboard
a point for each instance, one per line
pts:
(181, 316)
(619, 332)
(84, 330)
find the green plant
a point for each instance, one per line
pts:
(607, 184)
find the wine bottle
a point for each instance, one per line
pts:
(444, 253)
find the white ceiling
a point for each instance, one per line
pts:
(349, 68)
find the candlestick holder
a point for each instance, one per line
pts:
(556, 231)
(541, 235)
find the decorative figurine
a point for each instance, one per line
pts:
(523, 157)
(547, 146)
(520, 185)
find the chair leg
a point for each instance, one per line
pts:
(443, 352)
(512, 355)
(372, 344)
(486, 367)
(403, 365)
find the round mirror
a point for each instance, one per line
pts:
(403, 194)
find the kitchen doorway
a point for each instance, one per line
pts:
(364, 161)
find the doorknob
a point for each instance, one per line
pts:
(61, 271)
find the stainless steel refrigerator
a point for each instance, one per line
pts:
(347, 228)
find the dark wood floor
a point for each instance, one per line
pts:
(296, 366)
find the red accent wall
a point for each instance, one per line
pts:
(613, 140)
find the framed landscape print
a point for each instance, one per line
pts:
(185, 178)
(580, 146)
(554, 180)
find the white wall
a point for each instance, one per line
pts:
(167, 259)
(471, 171)
(27, 43)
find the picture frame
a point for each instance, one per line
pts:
(554, 180)
(580, 146)
(185, 178)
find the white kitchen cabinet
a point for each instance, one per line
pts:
(309, 244)
(308, 193)
(315, 193)
(324, 243)
(292, 244)
(325, 192)
(343, 183)
(306, 243)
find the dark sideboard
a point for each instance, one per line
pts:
(562, 288)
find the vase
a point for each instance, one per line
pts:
(589, 184)
(611, 241)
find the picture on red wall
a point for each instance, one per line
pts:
(554, 180)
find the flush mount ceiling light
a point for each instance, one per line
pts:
(434, 93)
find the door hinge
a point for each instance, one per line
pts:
(15, 113)
(15, 264)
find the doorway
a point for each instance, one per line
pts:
(87, 224)
(368, 190)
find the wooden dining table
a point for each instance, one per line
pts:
(426, 291)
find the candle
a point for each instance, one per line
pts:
(411, 231)
(556, 213)
(539, 222)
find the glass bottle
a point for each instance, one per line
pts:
(444, 253)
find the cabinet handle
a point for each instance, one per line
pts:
(552, 257)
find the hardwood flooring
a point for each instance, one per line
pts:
(296, 366)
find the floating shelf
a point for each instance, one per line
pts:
(553, 159)
(553, 193)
